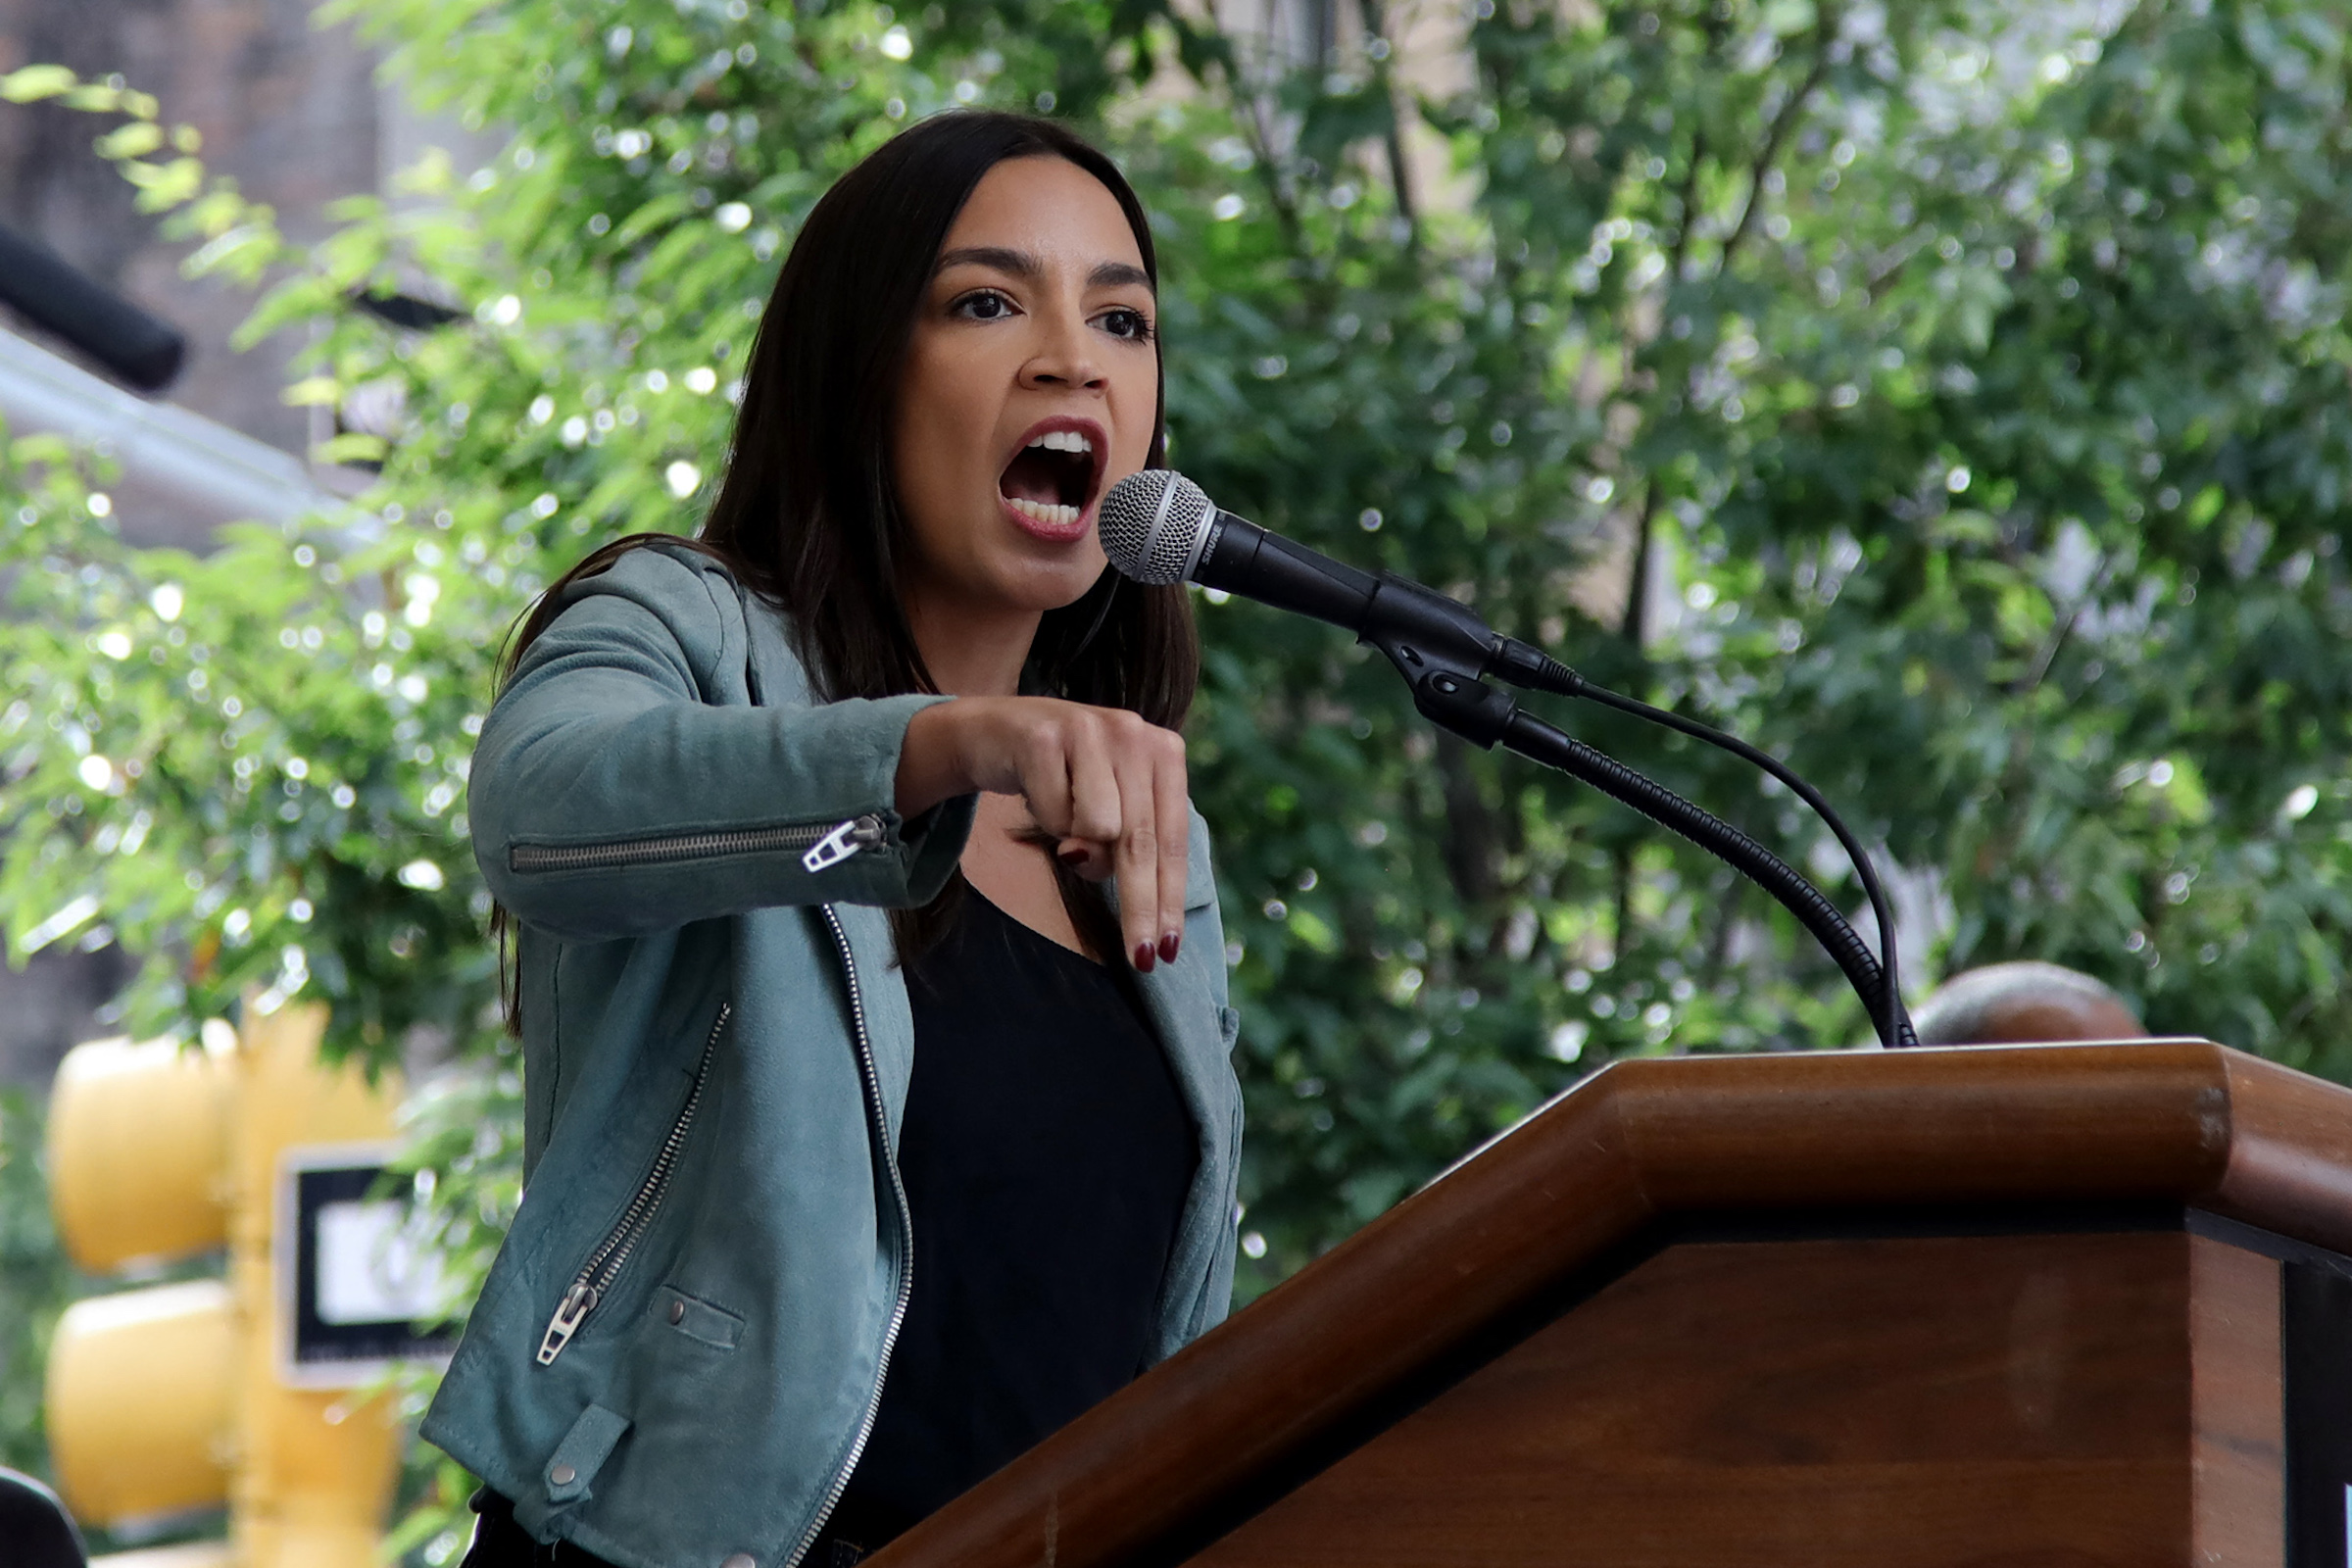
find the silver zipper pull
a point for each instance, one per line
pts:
(579, 1303)
(858, 833)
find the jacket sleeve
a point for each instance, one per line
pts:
(608, 799)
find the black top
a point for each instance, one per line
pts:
(1045, 1150)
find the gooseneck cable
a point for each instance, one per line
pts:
(1889, 1017)
(1539, 742)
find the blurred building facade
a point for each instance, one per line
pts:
(287, 109)
(293, 112)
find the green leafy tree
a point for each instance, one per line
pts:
(1950, 397)
(35, 1281)
(1976, 391)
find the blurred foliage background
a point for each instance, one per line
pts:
(1949, 396)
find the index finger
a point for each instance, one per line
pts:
(1137, 856)
(1171, 804)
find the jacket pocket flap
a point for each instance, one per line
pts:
(582, 1452)
(698, 1320)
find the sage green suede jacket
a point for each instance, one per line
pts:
(676, 1358)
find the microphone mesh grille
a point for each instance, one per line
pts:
(1151, 525)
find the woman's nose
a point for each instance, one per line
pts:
(1066, 359)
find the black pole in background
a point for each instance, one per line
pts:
(51, 293)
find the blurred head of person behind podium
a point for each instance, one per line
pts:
(2022, 1004)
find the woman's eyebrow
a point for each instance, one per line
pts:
(1117, 274)
(1022, 265)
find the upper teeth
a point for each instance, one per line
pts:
(1064, 441)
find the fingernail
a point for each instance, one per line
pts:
(1168, 946)
(1142, 958)
(1073, 858)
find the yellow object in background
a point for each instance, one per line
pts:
(142, 1401)
(139, 1152)
(176, 1396)
(195, 1555)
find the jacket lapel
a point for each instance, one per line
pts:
(1183, 1011)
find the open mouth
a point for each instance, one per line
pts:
(1051, 481)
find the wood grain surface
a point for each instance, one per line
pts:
(1381, 1322)
(1911, 1402)
(2238, 1406)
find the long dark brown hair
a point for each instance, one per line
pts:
(808, 516)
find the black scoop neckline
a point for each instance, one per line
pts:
(1031, 931)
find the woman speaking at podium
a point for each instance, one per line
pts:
(881, 1115)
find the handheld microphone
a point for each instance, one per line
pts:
(1158, 527)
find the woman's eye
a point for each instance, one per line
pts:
(986, 306)
(1132, 325)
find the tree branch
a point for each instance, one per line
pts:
(1887, 270)
(1688, 195)
(1781, 125)
(1621, 905)
(1375, 17)
(1729, 896)
(1270, 174)
(1636, 578)
(1471, 837)
(2065, 628)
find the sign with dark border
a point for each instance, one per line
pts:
(353, 1276)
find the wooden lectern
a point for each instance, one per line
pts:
(2013, 1305)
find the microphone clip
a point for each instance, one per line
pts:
(1473, 710)
(1445, 687)
(1444, 653)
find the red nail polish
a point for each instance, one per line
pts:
(1073, 858)
(1142, 958)
(1168, 946)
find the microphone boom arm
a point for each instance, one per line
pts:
(1159, 527)
(1448, 693)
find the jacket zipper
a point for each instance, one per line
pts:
(827, 843)
(612, 1255)
(879, 1121)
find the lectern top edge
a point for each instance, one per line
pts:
(2179, 1122)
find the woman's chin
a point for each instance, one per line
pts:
(1047, 568)
(1044, 586)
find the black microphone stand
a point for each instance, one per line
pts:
(1431, 641)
